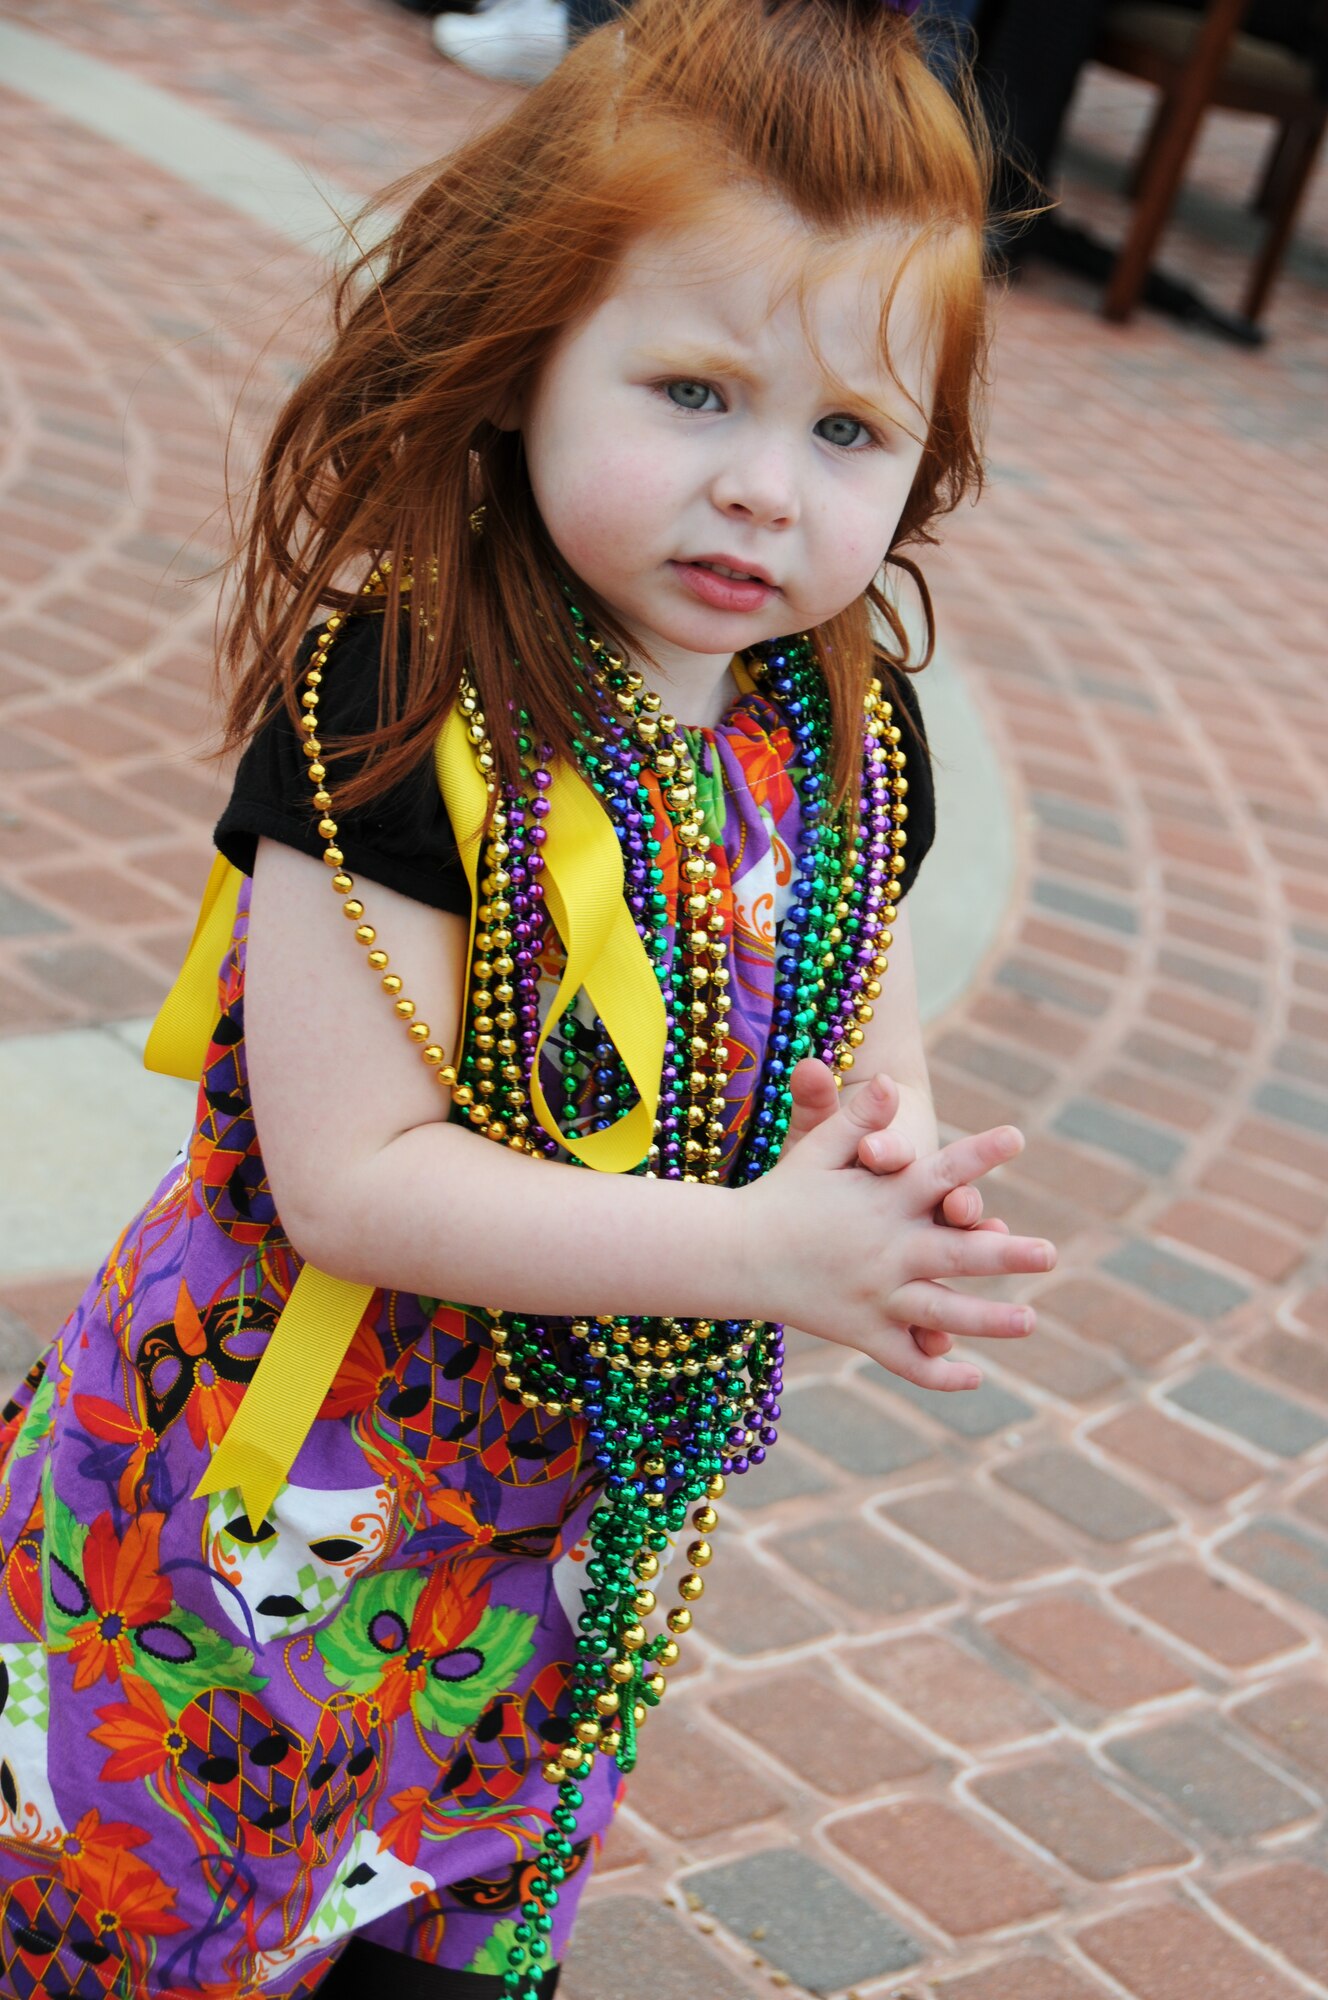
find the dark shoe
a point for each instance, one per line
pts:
(438, 6)
(367, 1971)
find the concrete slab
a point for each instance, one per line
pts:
(85, 1135)
(959, 904)
(236, 167)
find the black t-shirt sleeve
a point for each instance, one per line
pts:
(920, 826)
(402, 839)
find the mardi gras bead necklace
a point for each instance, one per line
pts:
(672, 1407)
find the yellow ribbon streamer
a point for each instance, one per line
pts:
(177, 1043)
(298, 1367)
(583, 886)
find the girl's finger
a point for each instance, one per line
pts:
(895, 1351)
(932, 1340)
(977, 1253)
(936, 1307)
(873, 1104)
(981, 1221)
(965, 1160)
(863, 1108)
(961, 1208)
(886, 1152)
(814, 1098)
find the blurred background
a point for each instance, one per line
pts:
(1015, 1696)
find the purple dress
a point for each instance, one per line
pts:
(222, 1752)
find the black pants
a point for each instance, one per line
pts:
(583, 15)
(369, 1972)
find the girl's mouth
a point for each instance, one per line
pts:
(722, 587)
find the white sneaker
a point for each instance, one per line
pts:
(516, 41)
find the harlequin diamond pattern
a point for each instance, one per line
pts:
(29, 1690)
(319, 1590)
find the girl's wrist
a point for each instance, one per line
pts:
(747, 1249)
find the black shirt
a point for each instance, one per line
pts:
(403, 839)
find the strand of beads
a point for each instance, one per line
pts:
(526, 834)
(491, 967)
(611, 764)
(639, 736)
(829, 1013)
(618, 1672)
(696, 1068)
(873, 874)
(699, 967)
(343, 882)
(795, 683)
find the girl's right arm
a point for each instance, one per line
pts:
(372, 1184)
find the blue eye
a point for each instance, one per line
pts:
(843, 431)
(688, 395)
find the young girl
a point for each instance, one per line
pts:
(333, 1610)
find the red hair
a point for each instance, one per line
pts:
(386, 448)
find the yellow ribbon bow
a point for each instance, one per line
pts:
(583, 887)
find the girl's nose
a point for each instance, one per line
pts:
(761, 490)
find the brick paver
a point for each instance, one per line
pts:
(1017, 1699)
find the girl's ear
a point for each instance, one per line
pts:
(509, 413)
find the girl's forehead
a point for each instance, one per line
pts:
(752, 248)
(752, 277)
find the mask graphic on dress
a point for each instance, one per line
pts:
(294, 1571)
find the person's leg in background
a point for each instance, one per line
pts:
(946, 27)
(583, 15)
(950, 10)
(1030, 57)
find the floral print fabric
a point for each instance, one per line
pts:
(223, 1752)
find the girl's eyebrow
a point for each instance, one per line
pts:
(688, 362)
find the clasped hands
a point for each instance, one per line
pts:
(929, 1226)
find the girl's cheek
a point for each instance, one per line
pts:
(627, 492)
(850, 548)
(867, 531)
(593, 525)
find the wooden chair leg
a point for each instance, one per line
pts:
(1274, 167)
(1148, 152)
(1292, 185)
(1189, 101)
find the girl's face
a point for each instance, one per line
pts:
(712, 415)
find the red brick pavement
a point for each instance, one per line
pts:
(1019, 1697)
